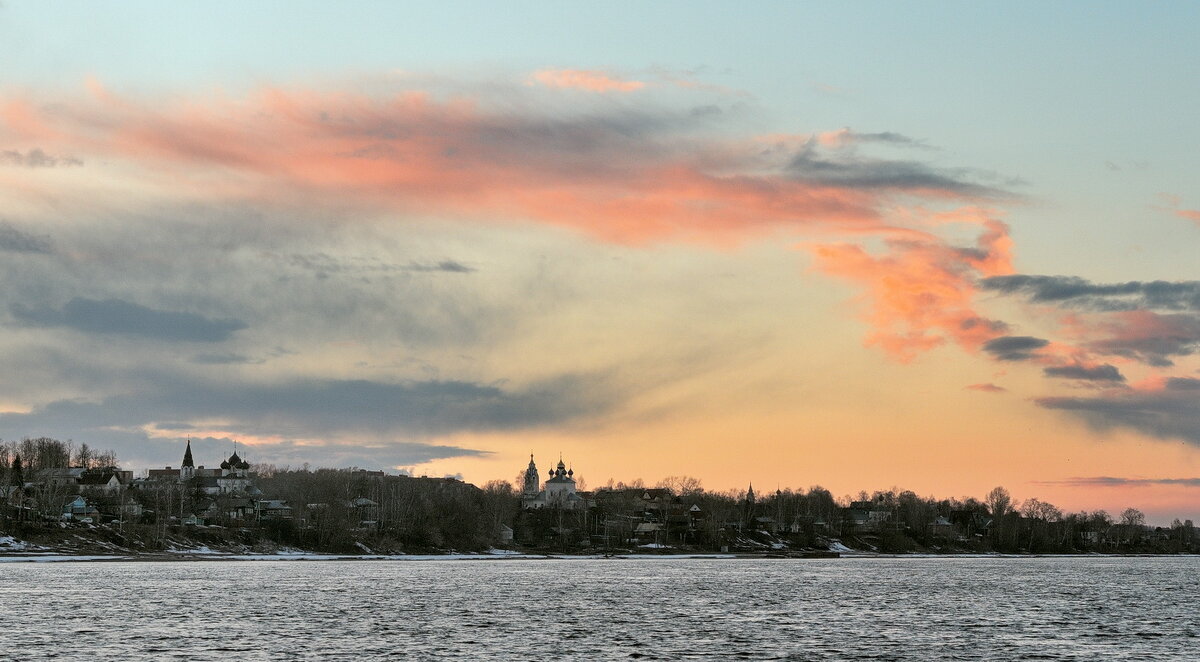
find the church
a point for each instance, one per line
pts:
(232, 478)
(558, 492)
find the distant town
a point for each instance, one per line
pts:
(56, 496)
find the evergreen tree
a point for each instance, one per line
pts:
(16, 476)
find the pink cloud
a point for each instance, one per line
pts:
(631, 182)
(1172, 204)
(1192, 215)
(581, 79)
(629, 177)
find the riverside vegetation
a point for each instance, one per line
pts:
(351, 511)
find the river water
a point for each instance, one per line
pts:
(918, 609)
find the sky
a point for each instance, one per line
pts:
(931, 246)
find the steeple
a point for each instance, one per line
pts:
(188, 469)
(748, 515)
(532, 483)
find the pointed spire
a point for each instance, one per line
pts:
(187, 454)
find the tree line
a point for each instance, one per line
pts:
(347, 510)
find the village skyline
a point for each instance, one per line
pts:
(556, 488)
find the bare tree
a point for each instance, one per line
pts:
(681, 485)
(999, 502)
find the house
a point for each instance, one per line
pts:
(648, 532)
(866, 515)
(114, 508)
(942, 527)
(105, 482)
(78, 509)
(365, 509)
(60, 476)
(272, 510)
(657, 499)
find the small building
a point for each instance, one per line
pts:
(78, 509)
(366, 510)
(942, 527)
(102, 482)
(272, 510)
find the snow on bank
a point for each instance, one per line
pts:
(11, 544)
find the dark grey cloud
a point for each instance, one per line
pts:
(847, 168)
(1074, 292)
(1170, 413)
(1155, 344)
(12, 239)
(210, 451)
(1100, 373)
(888, 137)
(326, 264)
(315, 409)
(122, 317)
(1183, 384)
(1166, 324)
(393, 417)
(1014, 348)
(36, 158)
(996, 326)
(445, 265)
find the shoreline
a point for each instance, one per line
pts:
(170, 557)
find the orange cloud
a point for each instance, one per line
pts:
(1192, 215)
(1172, 204)
(581, 79)
(921, 291)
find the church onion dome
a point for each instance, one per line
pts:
(570, 472)
(234, 460)
(244, 465)
(225, 464)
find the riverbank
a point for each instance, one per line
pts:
(52, 542)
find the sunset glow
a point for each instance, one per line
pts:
(744, 259)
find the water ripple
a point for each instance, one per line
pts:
(894, 610)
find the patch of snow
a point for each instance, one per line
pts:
(653, 545)
(202, 549)
(9, 543)
(837, 546)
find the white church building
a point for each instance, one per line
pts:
(558, 491)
